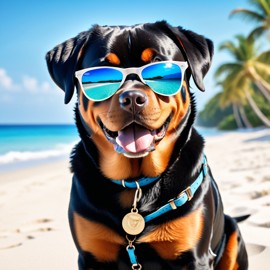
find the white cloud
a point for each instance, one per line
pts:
(30, 84)
(26, 84)
(45, 86)
(5, 80)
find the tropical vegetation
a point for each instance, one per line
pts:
(244, 101)
(260, 15)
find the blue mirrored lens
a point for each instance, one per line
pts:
(100, 84)
(163, 78)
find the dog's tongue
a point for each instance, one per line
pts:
(135, 138)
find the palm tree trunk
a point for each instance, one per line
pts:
(244, 117)
(262, 85)
(237, 116)
(263, 89)
(256, 109)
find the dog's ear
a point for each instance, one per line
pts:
(199, 52)
(62, 62)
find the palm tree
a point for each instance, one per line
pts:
(249, 64)
(238, 77)
(236, 99)
(260, 15)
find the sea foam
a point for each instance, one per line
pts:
(19, 156)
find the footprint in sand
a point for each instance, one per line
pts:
(16, 238)
(260, 193)
(9, 241)
(266, 178)
(260, 219)
(254, 249)
(39, 225)
(241, 213)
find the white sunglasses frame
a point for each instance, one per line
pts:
(183, 65)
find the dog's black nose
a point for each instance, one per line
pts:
(133, 100)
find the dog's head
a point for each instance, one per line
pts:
(134, 129)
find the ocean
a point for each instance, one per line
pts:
(25, 145)
(22, 145)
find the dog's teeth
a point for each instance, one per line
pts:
(160, 131)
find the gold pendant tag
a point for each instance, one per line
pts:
(133, 223)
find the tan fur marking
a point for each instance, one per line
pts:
(147, 55)
(113, 59)
(229, 258)
(97, 239)
(126, 198)
(177, 236)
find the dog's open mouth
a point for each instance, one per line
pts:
(135, 140)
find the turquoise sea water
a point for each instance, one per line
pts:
(25, 143)
(21, 144)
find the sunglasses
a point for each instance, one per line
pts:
(100, 83)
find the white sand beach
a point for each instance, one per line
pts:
(34, 230)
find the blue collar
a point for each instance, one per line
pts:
(141, 182)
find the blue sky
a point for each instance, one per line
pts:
(28, 29)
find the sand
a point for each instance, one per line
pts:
(34, 230)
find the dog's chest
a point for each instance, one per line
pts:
(169, 240)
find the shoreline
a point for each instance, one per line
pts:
(34, 203)
(14, 167)
(33, 169)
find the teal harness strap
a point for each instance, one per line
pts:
(185, 196)
(132, 256)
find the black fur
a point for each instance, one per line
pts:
(64, 59)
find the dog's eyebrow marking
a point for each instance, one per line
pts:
(147, 55)
(113, 59)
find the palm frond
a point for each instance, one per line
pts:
(259, 31)
(228, 46)
(231, 95)
(242, 50)
(234, 50)
(237, 81)
(262, 5)
(264, 57)
(228, 68)
(247, 15)
(262, 74)
(262, 68)
(245, 48)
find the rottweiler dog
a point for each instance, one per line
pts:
(143, 196)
